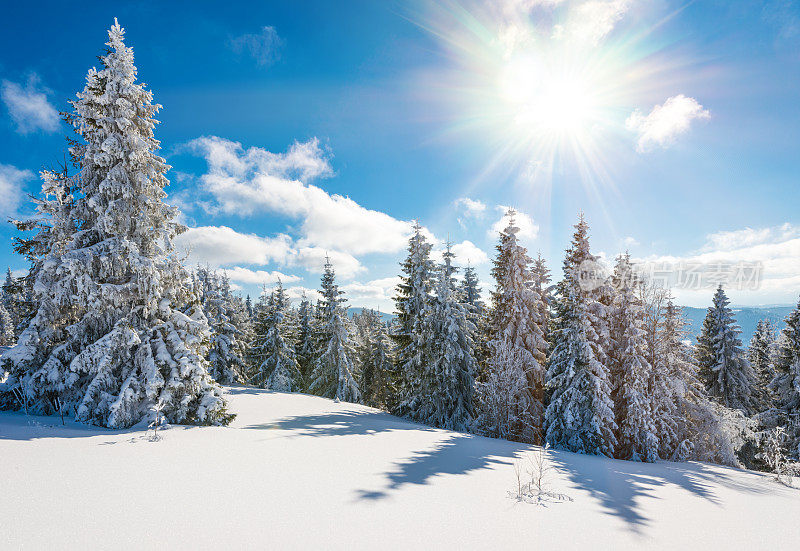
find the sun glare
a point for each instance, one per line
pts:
(540, 93)
(545, 101)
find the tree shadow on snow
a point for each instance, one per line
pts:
(621, 485)
(457, 454)
(341, 423)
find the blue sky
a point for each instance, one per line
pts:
(297, 129)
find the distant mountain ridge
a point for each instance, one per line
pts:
(358, 309)
(746, 316)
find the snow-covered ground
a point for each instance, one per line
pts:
(297, 471)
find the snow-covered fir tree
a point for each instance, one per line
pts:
(517, 346)
(334, 372)
(786, 384)
(304, 345)
(229, 326)
(704, 429)
(580, 415)
(52, 227)
(469, 289)
(276, 366)
(469, 293)
(724, 369)
(760, 354)
(412, 303)
(374, 358)
(108, 342)
(631, 372)
(656, 301)
(541, 285)
(6, 327)
(450, 365)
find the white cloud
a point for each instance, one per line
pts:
(377, 293)
(592, 21)
(29, 107)
(775, 249)
(582, 23)
(263, 46)
(312, 259)
(665, 122)
(629, 241)
(221, 246)
(470, 207)
(468, 252)
(258, 277)
(11, 180)
(749, 237)
(246, 181)
(528, 230)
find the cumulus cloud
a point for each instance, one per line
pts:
(264, 46)
(468, 252)
(528, 230)
(378, 289)
(11, 180)
(29, 107)
(221, 246)
(258, 277)
(592, 21)
(470, 207)
(582, 23)
(247, 181)
(665, 122)
(775, 251)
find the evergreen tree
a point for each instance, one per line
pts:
(6, 327)
(580, 414)
(277, 367)
(107, 341)
(760, 354)
(517, 347)
(226, 354)
(469, 293)
(374, 349)
(786, 383)
(704, 430)
(304, 347)
(248, 304)
(412, 304)
(661, 392)
(630, 371)
(334, 371)
(451, 365)
(725, 371)
(541, 285)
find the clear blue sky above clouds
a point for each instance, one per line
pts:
(297, 129)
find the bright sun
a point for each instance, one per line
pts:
(548, 100)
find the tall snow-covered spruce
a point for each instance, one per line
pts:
(334, 373)
(631, 372)
(109, 342)
(450, 364)
(413, 302)
(580, 414)
(276, 364)
(512, 394)
(724, 369)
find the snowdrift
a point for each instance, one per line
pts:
(298, 471)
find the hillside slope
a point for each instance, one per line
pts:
(300, 471)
